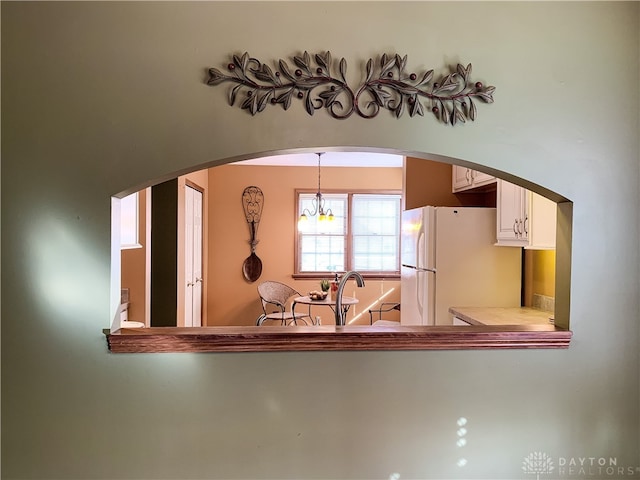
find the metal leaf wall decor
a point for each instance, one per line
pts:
(451, 98)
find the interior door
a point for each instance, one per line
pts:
(193, 257)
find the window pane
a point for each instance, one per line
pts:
(376, 227)
(322, 244)
(321, 253)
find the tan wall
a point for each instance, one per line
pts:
(429, 183)
(234, 301)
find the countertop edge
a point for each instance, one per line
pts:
(488, 315)
(271, 339)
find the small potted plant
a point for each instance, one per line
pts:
(325, 285)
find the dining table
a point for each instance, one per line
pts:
(326, 302)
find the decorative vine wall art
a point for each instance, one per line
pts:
(387, 85)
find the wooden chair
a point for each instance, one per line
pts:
(274, 297)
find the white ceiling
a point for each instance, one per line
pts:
(330, 159)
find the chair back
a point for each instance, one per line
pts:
(383, 308)
(275, 293)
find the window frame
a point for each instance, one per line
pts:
(348, 235)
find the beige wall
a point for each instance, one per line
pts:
(103, 98)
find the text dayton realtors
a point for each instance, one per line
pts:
(593, 466)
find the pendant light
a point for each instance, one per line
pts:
(318, 204)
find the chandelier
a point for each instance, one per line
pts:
(318, 204)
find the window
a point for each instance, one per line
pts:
(129, 222)
(364, 234)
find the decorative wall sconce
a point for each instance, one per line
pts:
(387, 85)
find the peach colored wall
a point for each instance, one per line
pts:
(133, 265)
(234, 301)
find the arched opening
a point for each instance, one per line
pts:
(239, 299)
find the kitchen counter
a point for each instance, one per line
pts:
(502, 316)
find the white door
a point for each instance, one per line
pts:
(193, 257)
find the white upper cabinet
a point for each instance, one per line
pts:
(524, 219)
(463, 178)
(513, 219)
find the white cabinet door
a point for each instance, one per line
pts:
(513, 216)
(542, 220)
(525, 219)
(463, 178)
(480, 178)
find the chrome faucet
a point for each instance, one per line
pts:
(340, 314)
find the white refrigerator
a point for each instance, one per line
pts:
(449, 258)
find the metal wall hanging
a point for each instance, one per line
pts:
(387, 86)
(252, 201)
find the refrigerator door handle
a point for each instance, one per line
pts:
(432, 270)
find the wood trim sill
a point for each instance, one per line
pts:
(270, 339)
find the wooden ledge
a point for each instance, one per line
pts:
(269, 339)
